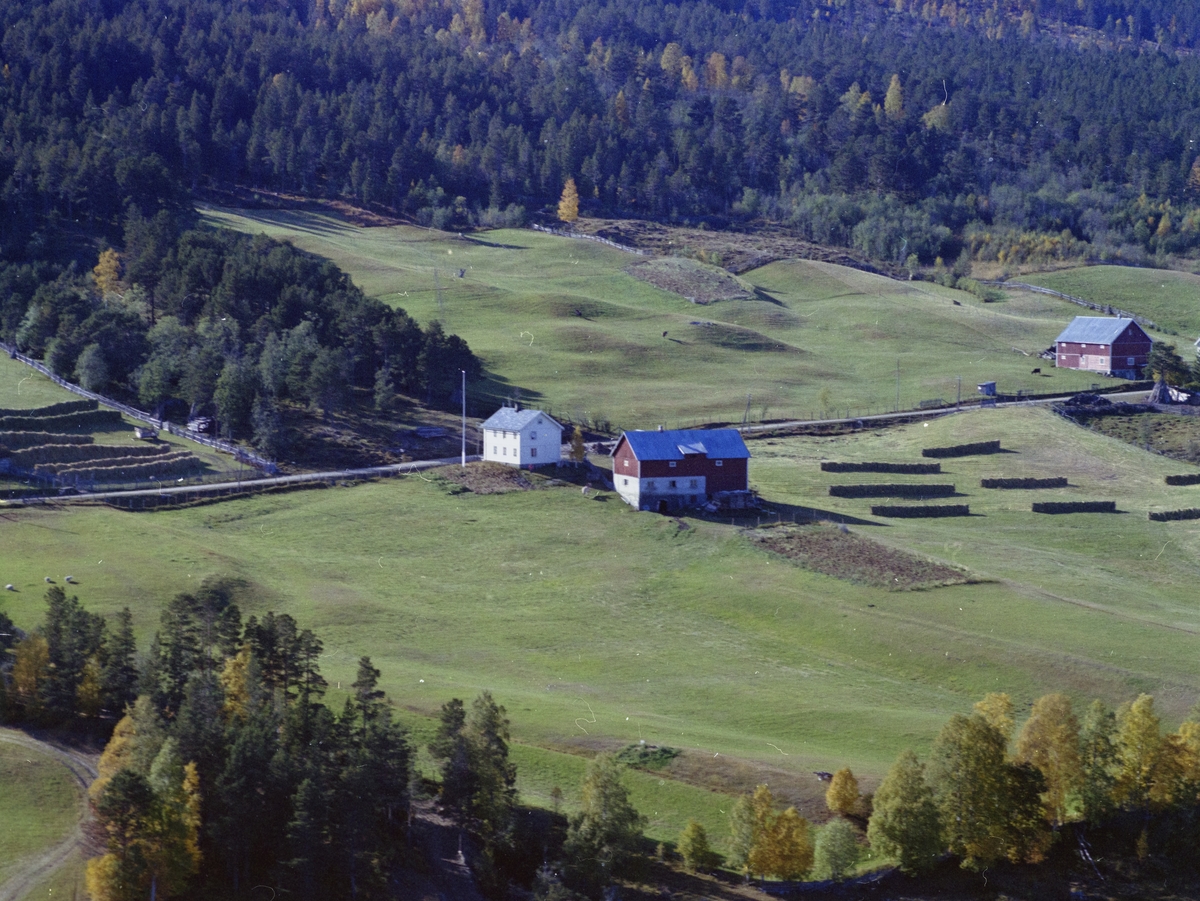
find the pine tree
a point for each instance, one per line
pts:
(602, 837)
(568, 205)
(904, 819)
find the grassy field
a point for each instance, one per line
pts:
(39, 804)
(599, 627)
(561, 322)
(1167, 298)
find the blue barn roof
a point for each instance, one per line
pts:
(726, 444)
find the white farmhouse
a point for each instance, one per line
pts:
(521, 437)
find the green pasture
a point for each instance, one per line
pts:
(39, 804)
(1170, 299)
(23, 388)
(561, 322)
(597, 626)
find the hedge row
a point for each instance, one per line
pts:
(891, 490)
(963, 450)
(82, 419)
(1169, 515)
(1058, 482)
(174, 465)
(916, 469)
(44, 454)
(67, 406)
(1076, 507)
(927, 512)
(1189, 479)
(18, 440)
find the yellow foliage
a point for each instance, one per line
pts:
(568, 205)
(29, 673)
(716, 71)
(996, 708)
(236, 685)
(107, 273)
(118, 754)
(842, 795)
(1049, 740)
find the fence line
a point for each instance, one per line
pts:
(240, 453)
(1098, 307)
(564, 233)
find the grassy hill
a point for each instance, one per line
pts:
(1167, 298)
(599, 627)
(563, 323)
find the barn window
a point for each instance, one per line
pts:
(624, 481)
(532, 436)
(650, 486)
(533, 452)
(694, 484)
(671, 484)
(1129, 361)
(672, 464)
(626, 462)
(720, 462)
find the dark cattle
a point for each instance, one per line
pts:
(1037, 371)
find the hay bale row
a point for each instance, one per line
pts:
(107, 462)
(1058, 482)
(44, 454)
(18, 440)
(80, 420)
(136, 470)
(1192, 478)
(925, 512)
(916, 469)
(1075, 507)
(963, 450)
(891, 490)
(67, 406)
(1172, 515)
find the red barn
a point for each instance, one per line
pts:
(683, 468)
(1112, 346)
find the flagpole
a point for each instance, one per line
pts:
(464, 418)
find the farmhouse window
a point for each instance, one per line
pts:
(650, 486)
(672, 464)
(624, 481)
(671, 484)
(626, 462)
(720, 462)
(694, 484)
(1129, 361)
(533, 436)
(533, 452)
(504, 453)
(495, 450)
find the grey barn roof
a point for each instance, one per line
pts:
(1095, 330)
(510, 419)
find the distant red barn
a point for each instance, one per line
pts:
(667, 470)
(1116, 347)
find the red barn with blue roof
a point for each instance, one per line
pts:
(1112, 346)
(667, 470)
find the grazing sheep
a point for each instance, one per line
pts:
(9, 587)
(69, 579)
(49, 580)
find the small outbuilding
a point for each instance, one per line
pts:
(1117, 347)
(519, 437)
(668, 470)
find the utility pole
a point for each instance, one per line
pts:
(958, 402)
(746, 415)
(897, 384)
(464, 418)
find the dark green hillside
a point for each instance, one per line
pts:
(902, 129)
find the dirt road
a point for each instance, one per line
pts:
(39, 867)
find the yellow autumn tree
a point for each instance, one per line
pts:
(996, 708)
(1049, 741)
(893, 100)
(107, 273)
(568, 204)
(842, 795)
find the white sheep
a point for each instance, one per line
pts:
(69, 579)
(49, 580)
(9, 587)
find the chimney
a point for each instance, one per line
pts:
(660, 428)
